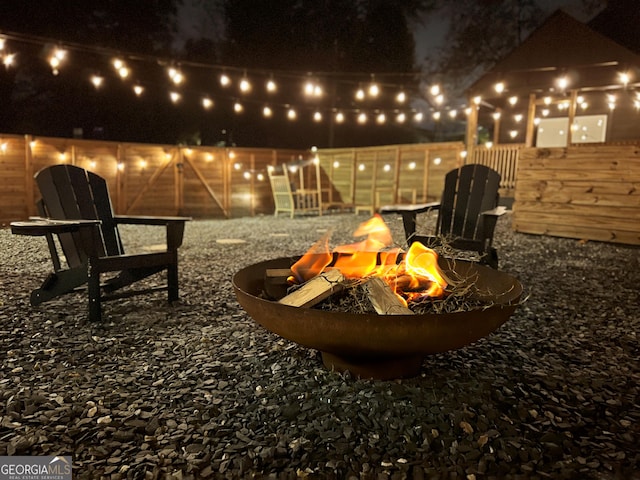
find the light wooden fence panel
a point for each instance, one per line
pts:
(590, 193)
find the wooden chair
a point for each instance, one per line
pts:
(467, 212)
(76, 208)
(293, 198)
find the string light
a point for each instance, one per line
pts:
(97, 80)
(267, 112)
(225, 81)
(207, 103)
(245, 85)
(58, 56)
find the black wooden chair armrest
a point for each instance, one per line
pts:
(410, 207)
(37, 226)
(175, 226)
(490, 222)
(148, 220)
(496, 212)
(409, 213)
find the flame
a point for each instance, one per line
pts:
(414, 278)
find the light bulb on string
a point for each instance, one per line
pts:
(624, 78)
(271, 86)
(374, 90)
(175, 97)
(225, 81)
(401, 117)
(562, 82)
(381, 118)
(339, 117)
(55, 60)
(245, 85)
(434, 90)
(97, 81)
(176, 76)
(513, 100)
(362, 118)
(499, 87)
(291, 114)
(267, 112)
(418, 117)
(360, 94)
(401, 97)
(237, 107)
(138, 90)
(317, 117)
(207, 103)
(8, 59)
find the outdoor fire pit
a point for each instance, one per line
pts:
(370, 345)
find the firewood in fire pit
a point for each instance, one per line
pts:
(315, 290)
(383, 299)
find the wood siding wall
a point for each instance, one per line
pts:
(584, 192)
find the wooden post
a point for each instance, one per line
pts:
(531, 117)
(118, 193)
(472, 128)
(496, 126)
(28, 175)
(396, 176)
(252, 185)
(572, 116)
(179, 182)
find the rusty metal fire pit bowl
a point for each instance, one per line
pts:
(380, 346)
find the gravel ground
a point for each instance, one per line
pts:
(198, 390)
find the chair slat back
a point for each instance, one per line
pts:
(281, 187)
(68, 194)
(468, 191)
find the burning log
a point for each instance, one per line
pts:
(315, 290)
(276, 282)
(383, 299)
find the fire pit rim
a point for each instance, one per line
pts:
(341, 333)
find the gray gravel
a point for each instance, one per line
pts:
(198, 390)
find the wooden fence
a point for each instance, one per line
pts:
(144, 179)
(589, 192)
(210, 182)
(585, 192)
(366, 178)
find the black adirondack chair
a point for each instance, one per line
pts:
(76, 207)
(467, 212)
